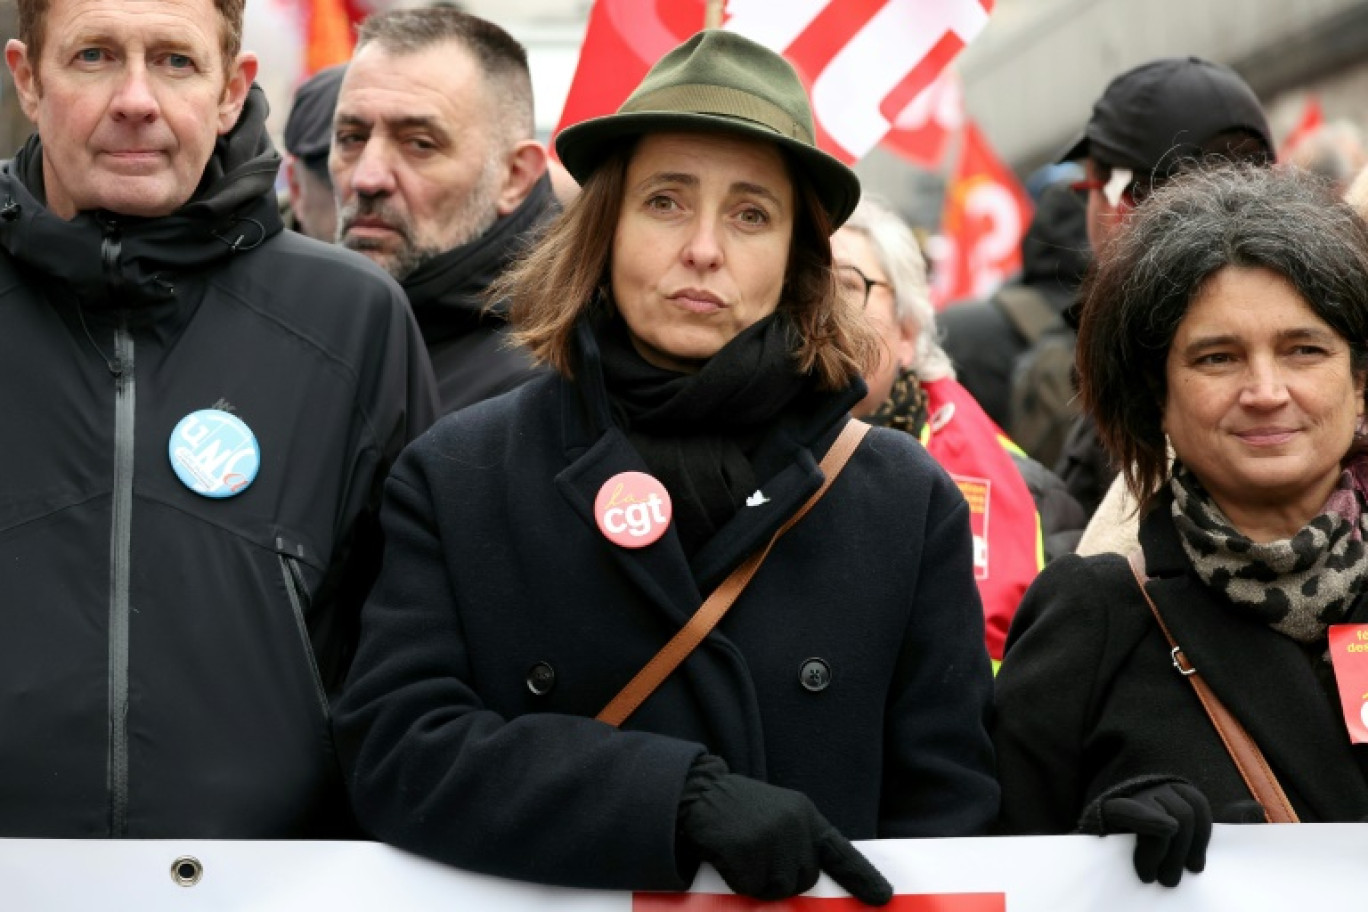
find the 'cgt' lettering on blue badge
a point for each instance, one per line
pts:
(214, 453)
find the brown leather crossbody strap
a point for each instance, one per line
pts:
(1249, 760)
(706, 617)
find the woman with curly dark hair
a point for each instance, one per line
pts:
(1227, 319)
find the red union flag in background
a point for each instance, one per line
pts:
(922, 129)
(1311, 120)
(865, 62)
(301, 37)
(328, 33)
(622, 41)
(986, 214)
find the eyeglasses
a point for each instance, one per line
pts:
(855, 283)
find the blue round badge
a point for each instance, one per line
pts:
(214, 453)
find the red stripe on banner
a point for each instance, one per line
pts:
(921, 76)
(713, 902)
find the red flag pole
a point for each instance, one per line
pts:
(712, 14)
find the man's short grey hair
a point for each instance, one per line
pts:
(902, 260)
(499, 55)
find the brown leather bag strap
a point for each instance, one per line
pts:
(1249, 760)
(706, 617)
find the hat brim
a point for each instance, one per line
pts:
(1075, 151)
(584, 146)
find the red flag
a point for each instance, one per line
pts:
(622, 41)
(922, 130)
(328, 34)
(864, 61)
(985, 216)
(1312, 119)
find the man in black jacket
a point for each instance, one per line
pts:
(200, 409)
(439, 181)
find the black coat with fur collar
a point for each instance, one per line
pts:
(1088, 697)
(495, 571)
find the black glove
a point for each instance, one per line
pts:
(1171, 821)
(768, 842)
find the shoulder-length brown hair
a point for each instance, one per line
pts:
(567, 275)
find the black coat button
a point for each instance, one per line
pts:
(815, 675)
(541, 678)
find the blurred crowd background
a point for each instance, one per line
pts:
(1028, 79)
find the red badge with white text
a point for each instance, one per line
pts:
(632, 510)
(1349, 653)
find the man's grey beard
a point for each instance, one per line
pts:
(480, 208)
(406, 260)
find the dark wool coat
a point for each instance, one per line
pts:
(1088, 696)
(503, 621)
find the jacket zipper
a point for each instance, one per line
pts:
(119, 550)
(120, 539)
(298, 594)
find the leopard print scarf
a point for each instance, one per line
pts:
(905, 407)
(1300, 585)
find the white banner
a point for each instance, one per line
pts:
(1249, 868)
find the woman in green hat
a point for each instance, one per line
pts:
(543, 547)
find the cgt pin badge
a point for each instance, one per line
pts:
(632, 510)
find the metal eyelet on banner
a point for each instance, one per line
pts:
(187, 871)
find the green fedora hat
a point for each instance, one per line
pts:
(718, 81)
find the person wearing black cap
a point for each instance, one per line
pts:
(542, 547)
(308, 137)
(439, 181)
(1152, 122)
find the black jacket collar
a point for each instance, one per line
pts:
(105, 259)
(447, 292)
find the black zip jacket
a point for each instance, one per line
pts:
(165, 657)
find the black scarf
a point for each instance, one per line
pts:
(695, 430)
(447, 293)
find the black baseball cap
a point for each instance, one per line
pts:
(1161, 113)
(308, 130)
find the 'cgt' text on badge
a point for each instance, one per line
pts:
(632, 509)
